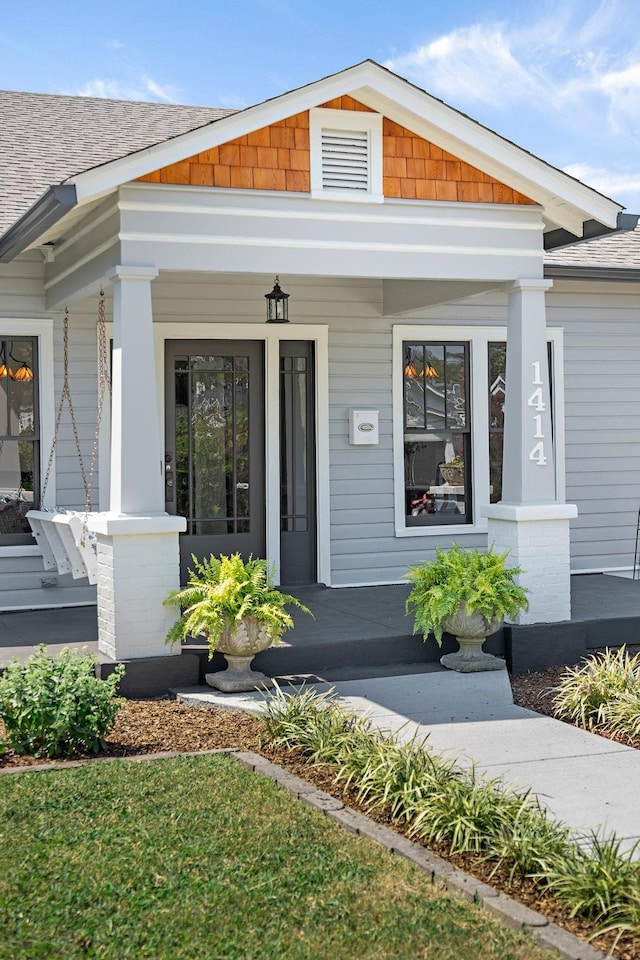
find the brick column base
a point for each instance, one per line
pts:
(138, 563)
(536, 537)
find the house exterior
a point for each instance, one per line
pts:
(382, 420)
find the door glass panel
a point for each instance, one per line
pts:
(294, 480)
(212, 444)
(497, 382)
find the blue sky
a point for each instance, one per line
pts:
(561, 79)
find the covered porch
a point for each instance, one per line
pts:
(357, 632)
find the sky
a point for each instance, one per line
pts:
(561, 78)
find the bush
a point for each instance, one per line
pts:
(56, 707)
(440, 802)
(586, 695)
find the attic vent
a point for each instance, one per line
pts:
(345, 160)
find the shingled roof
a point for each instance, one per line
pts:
(46, 138)
(619, 250)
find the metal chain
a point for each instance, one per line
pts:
(104, 387)
(66, 395)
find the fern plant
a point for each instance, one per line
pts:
(225, 590)
(479, 580)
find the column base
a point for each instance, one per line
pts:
(138, 564)
(536, 537)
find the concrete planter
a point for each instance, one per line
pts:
(239, 643)
(471, 630)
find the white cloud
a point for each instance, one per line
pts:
(114, 45)
(144, 89)
(474, 63)
(576, 66)
(613, 183)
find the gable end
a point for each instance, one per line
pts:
(278, 157)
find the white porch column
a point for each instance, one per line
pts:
(136, 452)
(530, 521)
(138, 552)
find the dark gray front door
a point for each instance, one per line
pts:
(214, 454)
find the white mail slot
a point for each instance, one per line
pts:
(363, 427)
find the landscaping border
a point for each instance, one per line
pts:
(509, 911)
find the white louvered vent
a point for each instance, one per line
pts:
(345, 160)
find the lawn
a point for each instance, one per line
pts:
(196, 857)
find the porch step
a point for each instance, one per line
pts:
(50, 598)
(26, 585)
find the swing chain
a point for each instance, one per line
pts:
(66, 396)
(104, 388)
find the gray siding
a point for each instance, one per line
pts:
(602, 405)
(84, 390)
(364, 548)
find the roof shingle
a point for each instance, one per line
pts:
(47, 138)
(618, 250)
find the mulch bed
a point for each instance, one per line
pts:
(151, 726)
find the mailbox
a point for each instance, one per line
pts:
(363, 427)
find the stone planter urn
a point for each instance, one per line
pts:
(471, 630)
(239, 643)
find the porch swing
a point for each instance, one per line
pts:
(63, 535)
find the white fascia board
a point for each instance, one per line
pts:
(566, 201)
(110, 175)
(433, 119)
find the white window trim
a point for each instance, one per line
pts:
(371, 123)
(271, 335)
(478, 338)
(43, 330)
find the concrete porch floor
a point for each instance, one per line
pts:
(356, 630)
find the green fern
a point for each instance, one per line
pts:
(223, 590)
(479, 580)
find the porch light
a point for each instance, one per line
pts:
(430, 372)
(277, 306)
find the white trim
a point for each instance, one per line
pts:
(478, 338)
(271, 335)
(300, 244)
(428, 214)
(323, 118)
(567, 201)
(82, 262)
(43, 330)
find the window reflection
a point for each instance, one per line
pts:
(437, 443)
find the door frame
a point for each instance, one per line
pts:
(270, 335)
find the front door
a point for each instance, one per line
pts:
(214, 453)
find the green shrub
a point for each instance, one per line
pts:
(55, 707)
(623, 713)
(479, 580)
(600, 882)
(441, 802)
(586, 694)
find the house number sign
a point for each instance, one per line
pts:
(536, 402)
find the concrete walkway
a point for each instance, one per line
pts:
(587, 782)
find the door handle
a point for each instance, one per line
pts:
(168, 478)
(242, 486)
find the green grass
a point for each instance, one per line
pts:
(197, 858)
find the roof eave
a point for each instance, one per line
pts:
(44, 214)
(560, 271)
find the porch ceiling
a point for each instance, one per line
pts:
(404, 296)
